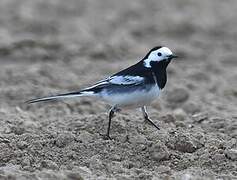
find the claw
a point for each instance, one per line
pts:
(106, 137)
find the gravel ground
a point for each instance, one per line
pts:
(56, 46)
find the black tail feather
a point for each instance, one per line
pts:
(59, 96)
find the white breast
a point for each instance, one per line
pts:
(132, 99)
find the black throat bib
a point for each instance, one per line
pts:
(159, 69)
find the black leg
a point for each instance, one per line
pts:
(111, 115)
(146, 117)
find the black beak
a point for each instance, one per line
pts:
(172, 56)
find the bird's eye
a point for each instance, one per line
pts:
(159, 54)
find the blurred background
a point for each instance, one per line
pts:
(56, 46)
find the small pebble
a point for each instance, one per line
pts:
(85, 137)
(198, 118)
(183, 143)
(95, 162)
(168, 118)
(191, 108)
(231, 154)
(179, 114)
(159, 152)
(48, 164)
(74, 176)
(64, 139)
(116, 157)
(178, 95)
(22, 144)
(137, 139)
(163, 169)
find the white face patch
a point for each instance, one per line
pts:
(157, 55)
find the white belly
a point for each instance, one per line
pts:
(132, 99)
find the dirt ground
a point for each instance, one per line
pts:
(58, 46)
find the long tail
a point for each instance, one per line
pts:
(61, 96)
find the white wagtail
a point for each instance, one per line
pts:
(134, 87)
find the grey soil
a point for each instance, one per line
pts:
(57, 46)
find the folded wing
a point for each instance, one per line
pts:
(117, 81)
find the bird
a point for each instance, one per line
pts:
(134, 87)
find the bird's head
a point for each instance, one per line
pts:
(158, 54)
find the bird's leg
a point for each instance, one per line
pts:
(146, 117)
(111, 115)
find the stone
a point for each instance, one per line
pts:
(179, 114)
(22, 144)
(95, 162)
(199, 117)
(168, 118)
(178, 95)
(183, 143)
(185, 146)
(231, 154)
(116, 157)
(137, 139)
(26, 162)
(191, 108)
(159, 152)
(163, 169)
(85, 136)
(48, 164)
(74, 176)
(64, 139)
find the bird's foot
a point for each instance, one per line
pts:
(106, 137)
(151, 122)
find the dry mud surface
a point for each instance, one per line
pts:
(56, 46)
